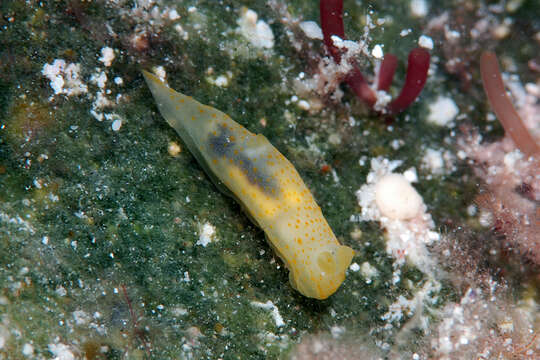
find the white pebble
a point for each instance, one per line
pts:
(304, 105)
(116, 124)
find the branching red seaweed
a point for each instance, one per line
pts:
(331, 12)
(360, 86)
(332, 24)
(387, 71)
(502, 106)
(417, 71)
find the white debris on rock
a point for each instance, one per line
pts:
(527, 102)
(99, 78)
(426, 296)
(107, 56)
(4, 335)
(274, 311)
(419, 8)
(325, 81)
(311, 29)
(61, 352)
(368, 271)
(351, 47)
(433, 160)
(411, 175)
(220, 80)
(207, 233)
(383, 99)
(483, 325)
(64, 78)
(425, 42)
(405, 32)
(354, 267)
(442, 111)
(409, 226)
(257, 32)
(173, 15)
(438, 162)
(28, 350)
(160, 72)
(81, 317)
(377, 52)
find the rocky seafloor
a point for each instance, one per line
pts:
(115, 244)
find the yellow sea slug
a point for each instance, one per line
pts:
(248, 168)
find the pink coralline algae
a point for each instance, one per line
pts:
(331, 12)
(509, 167)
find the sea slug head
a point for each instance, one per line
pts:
(323, 272)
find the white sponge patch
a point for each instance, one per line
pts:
(396, 198)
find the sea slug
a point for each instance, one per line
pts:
(267, 186)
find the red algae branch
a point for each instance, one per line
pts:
(417, 71)
(387, 71)
(332, 25)
(331, 12)
(502, 106)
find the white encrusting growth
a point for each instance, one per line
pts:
(396, 198)
(64, 78)
(278, 319)
(389, 198)
(207, 233)
(438, 161)
(419, 8)
(257, 32)
(61, 352)
(107, 56)
(442, 111)
(28, 350)
(426, 296)
(368, 271)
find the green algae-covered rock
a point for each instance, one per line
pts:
(115, 244)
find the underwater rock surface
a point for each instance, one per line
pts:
(115, 244)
